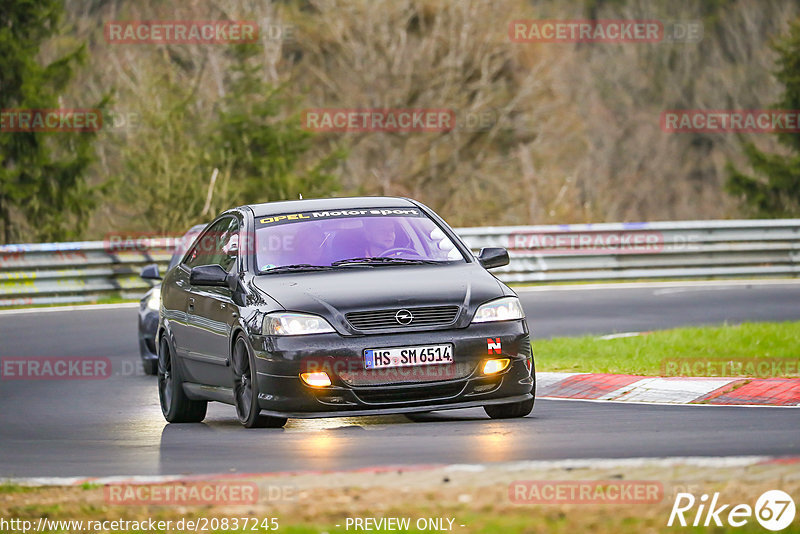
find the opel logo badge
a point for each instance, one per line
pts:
(404, 317)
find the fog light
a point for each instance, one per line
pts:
(318, 379)
(492, 367)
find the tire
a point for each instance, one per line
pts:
(508, 411)
(175, 405)
(245, 388)
(150, 367)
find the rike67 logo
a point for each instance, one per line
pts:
(774, 510)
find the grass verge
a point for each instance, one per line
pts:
(477, 501)
(656, 353)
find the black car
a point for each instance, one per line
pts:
(334, 307)
(151, 301)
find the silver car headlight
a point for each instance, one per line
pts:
(503, 309)
(294, 324)
(154, 300)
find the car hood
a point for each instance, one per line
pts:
(335, 293)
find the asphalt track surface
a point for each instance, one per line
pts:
(114, 426)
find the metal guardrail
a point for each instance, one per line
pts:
(84, 271)
(658, 250)
(51, 273)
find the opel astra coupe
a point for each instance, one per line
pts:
(339, 307)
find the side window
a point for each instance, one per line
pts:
(228, 246)
(218, 245)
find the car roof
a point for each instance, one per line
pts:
(343, 203)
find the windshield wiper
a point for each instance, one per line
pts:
(298, 267)
(381, 261)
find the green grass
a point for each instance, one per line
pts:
(648, 354)
(6, 488)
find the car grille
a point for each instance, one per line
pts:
(412, 374)
(409, 395)
(382, 319)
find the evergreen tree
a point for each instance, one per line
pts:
(776, 193)
(261, 150)
(42, 184)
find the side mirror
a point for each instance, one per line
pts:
(150, 272)
(208, 275)
(491, 257)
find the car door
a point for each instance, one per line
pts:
(175, 293)
(210, 309)
(174, 298)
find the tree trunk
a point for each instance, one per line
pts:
(4, 218)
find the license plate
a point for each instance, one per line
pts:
(407, 356)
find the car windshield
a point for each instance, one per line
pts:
(379, 236)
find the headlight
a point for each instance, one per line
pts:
(154, 300)
(504, 309)
(294, 324)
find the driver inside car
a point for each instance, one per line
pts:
(380, 234)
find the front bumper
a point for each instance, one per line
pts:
(355, 391)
